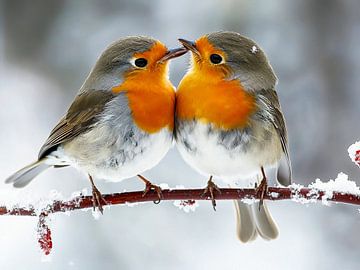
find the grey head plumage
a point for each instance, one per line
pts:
(246, 59)
(114, 61)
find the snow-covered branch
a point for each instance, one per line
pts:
(340, 190)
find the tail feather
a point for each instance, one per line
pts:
(251, 221)
(246, 227)
(265, 224)
(24, 176)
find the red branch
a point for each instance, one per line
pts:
(274, 194)
(187, 196)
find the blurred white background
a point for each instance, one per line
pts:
(48, 47)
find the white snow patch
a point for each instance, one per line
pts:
(341, 184)
(274, 194)
(83, 192)
(296, 186)
(298, 197)
(131, 204)
(14, 198)
(187, 205)
(20, 198)
(254, 49)
(354, 153)
(164, 186)
(249, 201)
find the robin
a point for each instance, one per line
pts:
(121, 121)
(229, 122)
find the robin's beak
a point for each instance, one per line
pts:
(191, 46)
(173, 53)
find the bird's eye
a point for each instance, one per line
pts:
(140, 62)
(215, 59)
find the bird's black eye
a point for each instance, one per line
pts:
(215, 58)
(141, 62)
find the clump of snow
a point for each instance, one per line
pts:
(319, 186)
(187, 206)
(164, 186)
(296, 196)
(76, 194)
(249, 201)
(354, 153)
(13, 198)
(341, 184)
(313, 195)
(254, 49)
(274, 194)
(45, 203)
(296, 187)
(132, 204)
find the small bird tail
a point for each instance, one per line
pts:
(24, 176)
(252, 220)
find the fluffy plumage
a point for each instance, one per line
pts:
(101, 134)
(229, 122)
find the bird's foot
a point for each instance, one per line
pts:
(261, 190)
(210, 190)
(97, 198)
(150, 186)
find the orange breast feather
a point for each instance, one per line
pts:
(151, 100)
(210, 99)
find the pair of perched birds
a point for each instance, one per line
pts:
(225, 117)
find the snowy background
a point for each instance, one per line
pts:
(48, 47)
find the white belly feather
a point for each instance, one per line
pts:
(104, 156)
(115, 148)
(204, 153)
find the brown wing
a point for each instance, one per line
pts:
(271, 101)
(80, 117)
